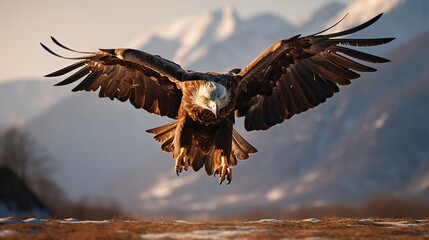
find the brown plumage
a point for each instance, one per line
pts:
(290, 77)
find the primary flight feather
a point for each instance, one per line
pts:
(290, 77)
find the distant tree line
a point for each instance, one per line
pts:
(19, 152)
(34, 165)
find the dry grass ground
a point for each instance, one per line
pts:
(325, 228)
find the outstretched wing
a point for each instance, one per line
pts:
(147, 81)
(299, 73)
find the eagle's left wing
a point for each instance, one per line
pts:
(147, 81)
(299, 73)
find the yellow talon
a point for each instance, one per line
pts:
(185, 162)
(182, 161)
(224, 170)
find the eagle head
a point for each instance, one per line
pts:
(212, 96)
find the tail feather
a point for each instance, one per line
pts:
(198, 159)
(233, 159)
(164, 132)
(241, 147)
(168, 145)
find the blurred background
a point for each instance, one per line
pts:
(363, 152)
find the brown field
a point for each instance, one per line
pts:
(325, 228)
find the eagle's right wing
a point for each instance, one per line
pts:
(146, 80)
(299, 73)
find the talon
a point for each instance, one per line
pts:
(185, 163)
(188, 163)
(222, 177)
(224, 171)
(178, 169)
(181, 161)
(229, 176)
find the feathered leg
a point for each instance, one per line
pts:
(223, 145)
(182, 143)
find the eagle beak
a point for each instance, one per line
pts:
(215, 108)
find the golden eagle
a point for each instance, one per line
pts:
(290, 77)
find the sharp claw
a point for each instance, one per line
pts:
(187, 165)
(224, 171)
(181, 160)
(229, 179)
(229, 176)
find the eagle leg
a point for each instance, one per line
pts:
(223, 145)
(182, 143)
(224, 170)
(182, 161)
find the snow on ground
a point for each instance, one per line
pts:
(200, 234)
(312, 220)
(7, 233)
(372, 222)
(43, 221)
(311, 228)
(267, 221)
(6, 210)
(34, 221)
(9, 220)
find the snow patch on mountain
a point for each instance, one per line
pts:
(193, 34)
(227, 24)
(361, 11)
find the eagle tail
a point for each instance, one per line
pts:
(198, 158)
(240, 148)
(165, 134)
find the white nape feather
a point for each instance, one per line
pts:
(210, 92)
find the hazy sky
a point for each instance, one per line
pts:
(89, 25)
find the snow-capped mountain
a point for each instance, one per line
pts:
(333, 151)
(191, 36)
(220, 37)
